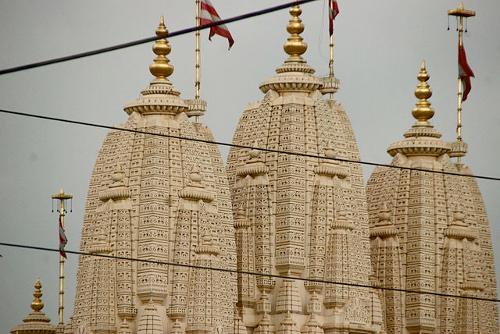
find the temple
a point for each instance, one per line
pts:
(288, 240)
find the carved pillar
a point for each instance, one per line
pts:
(468, 320)
(387, 266)
(150, 320)
(193, 215)
(112, 292)
(257, 208)
(453, 274)
(204, 294)
(243, 243)
(421, 255)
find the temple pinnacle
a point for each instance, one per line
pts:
(161, 67)
(37, 304)
(423, 110)
(295, 45)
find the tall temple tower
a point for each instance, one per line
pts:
(157, 198)
(298, 216)
(430, 232)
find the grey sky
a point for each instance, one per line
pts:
(379, 46)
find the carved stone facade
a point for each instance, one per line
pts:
(300, 216)
(156, 198)
(430, 232)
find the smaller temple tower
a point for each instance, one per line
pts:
(36, 322)
(429, 233)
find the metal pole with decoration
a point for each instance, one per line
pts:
(62, 198)
(459, 147)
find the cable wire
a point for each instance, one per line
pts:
(115, 47)
(234, 271)
(268, 150)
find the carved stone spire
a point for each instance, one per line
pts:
(422, 139)
(36, 322)
(161, 97)
(295, 75)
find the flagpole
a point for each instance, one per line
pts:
(331, 57)
(61, 197)
(460, 13)
(330, 83)
(197, 83)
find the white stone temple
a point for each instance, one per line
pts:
(303, 245)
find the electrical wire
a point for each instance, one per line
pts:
(241, 272)
(115, 47)
(268, 150)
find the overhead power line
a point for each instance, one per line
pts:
(150, 39)
(368, 163)
(251, 273)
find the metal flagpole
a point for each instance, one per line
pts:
(330, 83)
(460, 13)
(332, 74)
(197, 83)
(62, 198)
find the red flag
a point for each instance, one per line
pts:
(464, 72)
(62, 238)
(209, 15)
(334, 11)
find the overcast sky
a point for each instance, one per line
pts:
(379, 46)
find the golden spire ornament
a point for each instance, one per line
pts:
(295, 46)
(161, 67)
(423, 110)
(37, 304)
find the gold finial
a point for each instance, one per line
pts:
(161, 67)
(423, 110)
(36, 304)
(295, 45)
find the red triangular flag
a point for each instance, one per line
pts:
(334, 11)
(464, 72)
(209, 15)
